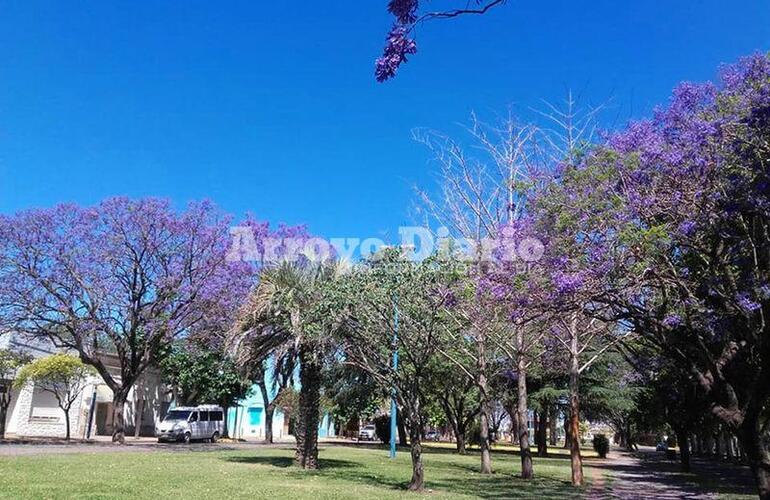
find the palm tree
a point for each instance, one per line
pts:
(284, 320)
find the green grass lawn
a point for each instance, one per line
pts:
(346, 472)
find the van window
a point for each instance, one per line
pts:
(215, 416)
(194, 417)
(176, 415)
(204, 416)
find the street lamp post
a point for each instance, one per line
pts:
(91, 412)
(393, 406)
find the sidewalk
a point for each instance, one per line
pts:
(648, 474)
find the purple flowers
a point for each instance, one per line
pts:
(567, 282)
(687, 227)
(398, 44)
(672, 321)
(404, 10)
(745, 302)
(397, 47)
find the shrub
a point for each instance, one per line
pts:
(601, 445)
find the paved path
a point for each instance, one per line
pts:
(647, 474)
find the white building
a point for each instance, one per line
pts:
(35, 413)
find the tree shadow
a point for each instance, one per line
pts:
(714, 475)
(655, 472)
(468, 481)
(286, 462)
(491, 487)
(445, 474)
(508, 486)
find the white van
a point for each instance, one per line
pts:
(188, 423)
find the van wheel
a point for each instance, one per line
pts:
(187, 438)
(215, 437)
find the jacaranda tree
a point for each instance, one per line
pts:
(124, 278)
(675, 213)
(399, 43)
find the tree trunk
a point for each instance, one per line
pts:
(139, 409)
(684, 449)
(514, 413)
(3, 415)
(629, 436)
(225, 431)
(309, 402)
(621, 436)
(418, 473)
(460, 441)
(757, 450)
(552, 415)
(269, 413)
(574, 413)
(66, 424)
(542, 438)
(118, 410)
(486, 458)
(701, 445)
(729, 448)
(235, 423)
(526, 453)
(567, 431)
(402, 440)
(269, 408)
(718, 444)
(458, 427)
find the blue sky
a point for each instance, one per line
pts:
(272, 108)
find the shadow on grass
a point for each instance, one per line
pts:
(492, 487)
(429, 449)
(444, 474)
(285, 462)
(499, 486)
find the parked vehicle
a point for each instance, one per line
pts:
(367, 433)
(432, 436)
(189, 423)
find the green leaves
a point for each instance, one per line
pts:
(61, 369)
(202, 375)
(10, 361)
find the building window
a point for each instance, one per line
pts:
(255, 416)
(45, 407)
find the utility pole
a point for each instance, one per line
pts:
(393, 406)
